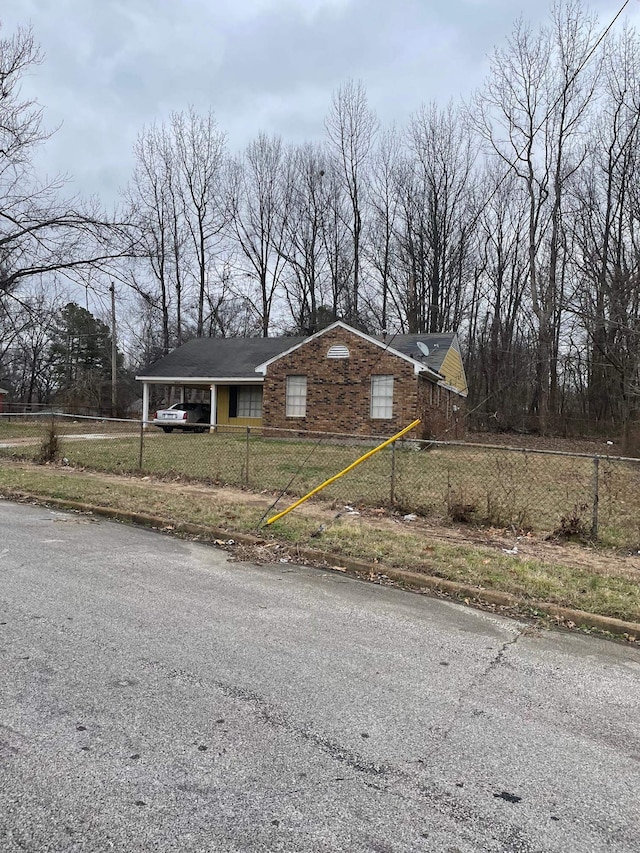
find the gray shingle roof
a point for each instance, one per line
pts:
(439, 345)
(218, 358)
(237, 358)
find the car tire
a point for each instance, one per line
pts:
(167, 429)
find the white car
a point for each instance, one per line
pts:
(192, 416)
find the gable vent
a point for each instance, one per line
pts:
(338, 351)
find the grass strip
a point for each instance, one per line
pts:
(530, 580)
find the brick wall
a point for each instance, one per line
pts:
(442, 412)
(339, 390)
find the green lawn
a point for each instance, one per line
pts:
(499, 488)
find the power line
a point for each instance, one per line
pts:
(536, 130)
(549, 112)
(511, 166)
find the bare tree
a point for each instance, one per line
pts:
(336, 243)
(39, 232)
(199, 156)
(306, 276)
(499, 331)
(351, 128)
(532, 113)
(606, 222)
(153, 214)
(177, 206)
(26, 355)
(385, 200)
(259, 203)
(442, 146)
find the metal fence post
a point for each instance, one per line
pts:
(596, 497)
(246, 462)
(141, 444)
(392, 490)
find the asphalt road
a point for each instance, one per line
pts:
(156, 697)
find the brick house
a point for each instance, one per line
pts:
(337, 380)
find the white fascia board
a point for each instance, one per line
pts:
(423, 368)
(418, 367)
(455, 390)
(262, 368)
(202, 380)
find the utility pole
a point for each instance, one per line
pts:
(114, 353)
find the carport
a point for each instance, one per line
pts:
(183, 388)
(220, 370)
(222, 394)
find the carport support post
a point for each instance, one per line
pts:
(214, 408)
(145, 405)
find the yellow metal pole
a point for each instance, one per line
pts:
(346, 470)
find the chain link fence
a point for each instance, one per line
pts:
(542, 491)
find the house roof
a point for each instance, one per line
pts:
(3, 391)
(214, 358)
(420, 366)
(211, 359)
(437, 344)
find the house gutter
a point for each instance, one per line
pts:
(186, 380)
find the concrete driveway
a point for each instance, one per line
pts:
(156, 697)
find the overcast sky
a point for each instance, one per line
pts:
(113, 65)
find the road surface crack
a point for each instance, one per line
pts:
(273, 717)
(463, 699)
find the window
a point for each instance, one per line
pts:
(248, 401)
(245, 401)
(296, 396)
(382, 396)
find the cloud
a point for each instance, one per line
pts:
(113, 66)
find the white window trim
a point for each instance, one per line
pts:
(296, 396)
(381, 406)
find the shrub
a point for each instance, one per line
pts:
(50, 446)
(574, 525)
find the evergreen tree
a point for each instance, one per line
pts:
(81, 359)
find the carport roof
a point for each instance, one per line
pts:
(218, 358)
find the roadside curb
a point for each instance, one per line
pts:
(349, 565)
